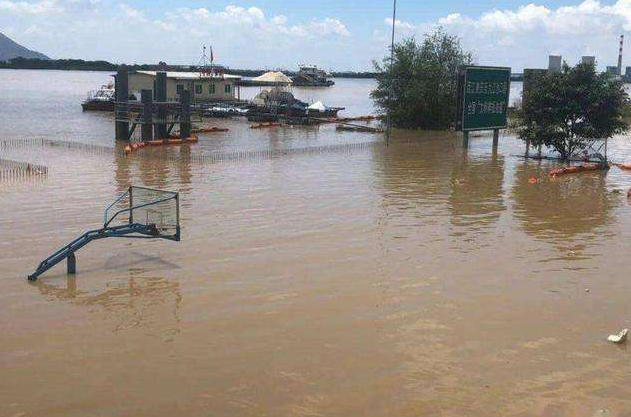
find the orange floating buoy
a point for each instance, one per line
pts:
(532, 180)
(154, 142)
(127, 150)
(175, 141)
(134, 146)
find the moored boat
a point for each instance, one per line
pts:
(319, 109)
(311, 76)
(102, 99)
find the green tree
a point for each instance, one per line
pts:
(570, 110)
(419, 89)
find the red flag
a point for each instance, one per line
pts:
(211, 54)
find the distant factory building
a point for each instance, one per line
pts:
(627, 72)
(588, 59)
(554, 63)
(203, 86)
(612, 70)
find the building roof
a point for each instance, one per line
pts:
(177, 75)
(273, 78)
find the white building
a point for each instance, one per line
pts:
(203, 87)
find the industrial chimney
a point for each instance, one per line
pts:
(620, 55)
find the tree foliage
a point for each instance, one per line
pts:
(419, 89)
(572, 109)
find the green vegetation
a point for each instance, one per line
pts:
(570, 110)
(419, 89)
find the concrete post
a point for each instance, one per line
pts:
(122, 96)
(465, 139)
(185, 116)
(146, 97)
(161, 98)
(496, 136)
(72, 264)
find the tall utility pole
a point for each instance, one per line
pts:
(391, 93)
(620, 55)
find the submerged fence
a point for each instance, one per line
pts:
(31, 142)
(13, 170)
(200, 157)
(275, 153)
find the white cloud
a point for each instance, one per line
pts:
(132, 13)
(279, 20)
(398, 24)
(523, 37)
(328, 26)
(242, 36)
(23, 7)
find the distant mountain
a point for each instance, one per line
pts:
(10, 50)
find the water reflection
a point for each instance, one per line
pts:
(136, 302)
(153, 167)
(570, 212)
(414, 171)
(476, 198)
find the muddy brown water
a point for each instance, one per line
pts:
(414, 280)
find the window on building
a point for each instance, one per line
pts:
(211, 88)
(179, 88)
(198, 88)
(226, 88)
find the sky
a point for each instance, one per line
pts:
(335, 35)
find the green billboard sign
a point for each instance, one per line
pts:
(483, 97)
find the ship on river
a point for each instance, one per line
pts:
(311, 76)
(102, 99)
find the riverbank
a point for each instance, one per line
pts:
(81, 65)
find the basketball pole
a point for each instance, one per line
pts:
(391, 93)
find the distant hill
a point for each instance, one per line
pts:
(10, 50)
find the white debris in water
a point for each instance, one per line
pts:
(619, 337)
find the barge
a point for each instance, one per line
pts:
(311, 76)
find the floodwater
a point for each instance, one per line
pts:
(418, 279)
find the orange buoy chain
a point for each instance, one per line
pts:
(159, 142)
(574, 169)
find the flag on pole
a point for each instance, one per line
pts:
(211, 54)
